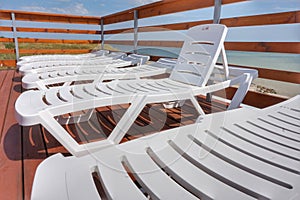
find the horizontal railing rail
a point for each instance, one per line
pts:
(48, 17)
(282, 47)
(256, 20)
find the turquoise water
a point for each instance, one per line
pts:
(280, 61)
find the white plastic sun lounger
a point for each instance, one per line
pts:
(69, 75)
(48, 57)
(187, 80)
(100, 62)
(239, 154)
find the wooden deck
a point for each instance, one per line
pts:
(23, 148)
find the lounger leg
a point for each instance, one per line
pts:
(239, 95)
(209, 95)
(128, 119)
(197, 106)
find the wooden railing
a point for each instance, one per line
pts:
(18, 31)
(160, 8)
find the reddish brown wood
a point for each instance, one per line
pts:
(4, 28)
(161, 8)
(279, 75)
(29, 40)
(8, 63)
(34, 152)
(253, 98)
(56, 30)
(283, 47)
(48, 17)
(5, 85)
(10, 153)
(3, 74)
(59, 41)
(266, 19)
(7, 51)
(6, 40)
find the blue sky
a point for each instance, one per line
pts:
(76, 7)
(104, 7)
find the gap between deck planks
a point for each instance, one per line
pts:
(23, 148)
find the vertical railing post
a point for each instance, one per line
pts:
(135, 26)
(13, 19)
(216, 20)
(217, 11)
(102, 34)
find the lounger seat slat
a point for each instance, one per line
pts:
(152, 177)
(52, 98)
(253, 148)
(117, 182)
(65, 93)
(78, 91)
(287, 124)
(277, 129)
(250, 184)
(289, 144)
(240, 160)
(91, 88)
(193, 178)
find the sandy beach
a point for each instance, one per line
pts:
(279, 88)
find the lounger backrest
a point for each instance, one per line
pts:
(199, 54)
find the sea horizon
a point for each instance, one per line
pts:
(269, 60)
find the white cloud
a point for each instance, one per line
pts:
(34, 8)
(79, 8)
(63, 0)
(75, 9)
(143, 2)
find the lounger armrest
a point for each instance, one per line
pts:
(237, 71)
(27, 108)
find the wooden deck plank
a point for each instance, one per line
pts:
(11, 179)
(34, 153)
(5, 85)
(2, 76)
